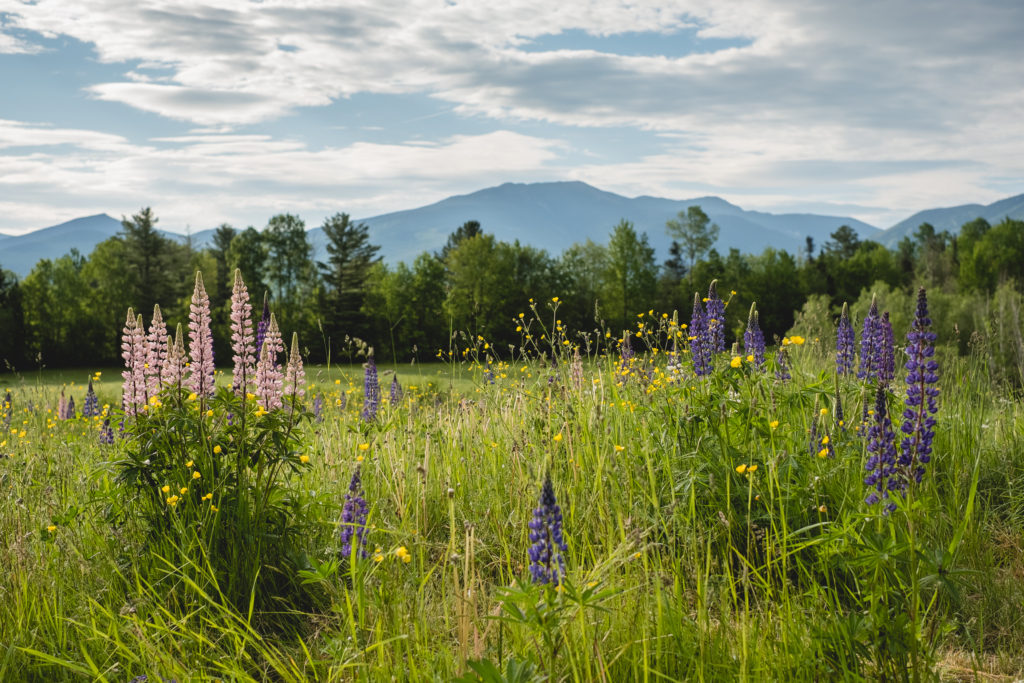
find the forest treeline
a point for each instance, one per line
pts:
(70, 311)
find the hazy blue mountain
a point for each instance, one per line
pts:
(551, 216)
(953, 217)
(555, 215)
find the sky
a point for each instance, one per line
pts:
(233, 111)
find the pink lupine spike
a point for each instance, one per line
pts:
(200, 344)
(242, 338)
(294, 375)
(133, 343)
(268, 372)
(173, 371)
(156, 351)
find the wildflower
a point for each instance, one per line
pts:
(133, 351)
(700, 347)
(189, 463)
(52, 528)
(353, 519)
(371, 390)
(887, 358)
(557, 437)
(773, 424)
(217, 449)
(200, 345)
(156, 351)
(619, 449)
(263, 325)
(304, 458)
(294, 374)
(242, 340)
(715, 311)
(403, 554)
(318, 407)
(165, 488)
(922, 374)
(106, 433)
(196, 475)
(781, 364)
(736, 362)
(268, 373)
(173, 371)
(870, 343)
(753, 338)
(741, 469)
(91, 407)
(547, 564)
(844, 343)
(395, 394)
(364, 446)
(881, 464)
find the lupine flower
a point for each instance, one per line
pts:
(840, 420)
(547, 564)
(241, 337)
(753, 338)
(395, 395)
(353, 519)
(318, 407)
(268, 373)
(870, 344)
(881, 464)
(371, 390)
(91, 407)
(716, 318)
(69, 409)
(700, 339)
(263, 325)
(133, 350)
(845, 343)
(782, 364)
(106, 432)
(922, 374)
(173, 372)
(200, 341)
(887, 355)
(294, 375)
(156, 352)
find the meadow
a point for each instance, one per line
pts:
(712, 519)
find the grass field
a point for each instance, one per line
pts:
(707, 537)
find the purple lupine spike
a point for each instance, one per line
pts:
(547, 564)
(922, 374)
(700, 340)
(269, 380)
(263, 324)
(70, 411)
(318, 407)
(887, 354)
(782, 364)
(716, 318)
(242, 337)
(156, 352)
(371, 390)
(173, 372)
(845, 343)
(353, 520)
(200, 341)
(133, 350)
(840, 420)
(881, 463)
(870, 341)
(106, 433)
(395, 394)
(91, 407)
(753, 338)
(294, 375)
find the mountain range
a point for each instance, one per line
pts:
(550, 215)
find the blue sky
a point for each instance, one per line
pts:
(232, 111)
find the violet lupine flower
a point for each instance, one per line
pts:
(395, 394)
(715, 318)
(173, 371)
(133, 351)
(106, 433)
(69, 409)
(870, 344)
(269, 379)
(845, 343)
(200, 341)
(371, 390)
(782, 364)
(922, 374)
(241, 337)
(318, 407)
(887, 355)
(753, 338)
(353, 520)
(294, 374)
(91, 407)
(156, 352)
(700, 339)
(547, 565)
(263, 325)
(881, 464)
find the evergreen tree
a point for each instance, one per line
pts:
(350, 256)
